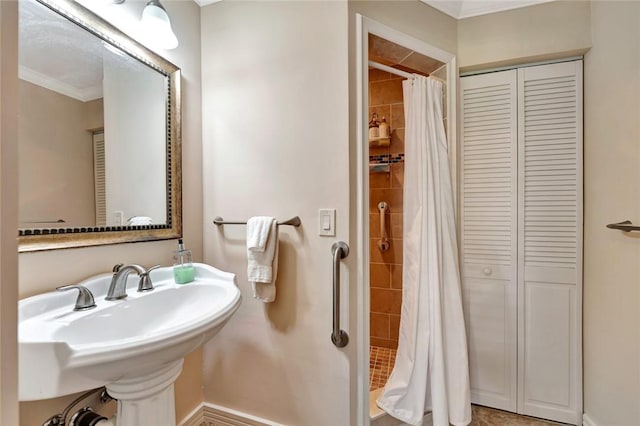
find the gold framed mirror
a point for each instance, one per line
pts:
(99, 133)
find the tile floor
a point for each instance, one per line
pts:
(483, 416)
(381, 361)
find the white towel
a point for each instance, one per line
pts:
(257, 232)
(262, 257)
(139, 220)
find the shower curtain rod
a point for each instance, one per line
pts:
(400, 73)
(392, 70)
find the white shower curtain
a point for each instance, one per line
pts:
(431, 370)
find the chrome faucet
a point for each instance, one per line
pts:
(118, 287)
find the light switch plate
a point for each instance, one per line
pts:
(327, 222)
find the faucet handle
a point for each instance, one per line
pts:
(145, 283)
(152, 268)
(85, 298)
(117, 267)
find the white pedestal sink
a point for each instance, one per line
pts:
(135, 346)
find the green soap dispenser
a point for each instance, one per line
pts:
(183, 271)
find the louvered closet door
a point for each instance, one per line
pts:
(550, 241)
(488, 235)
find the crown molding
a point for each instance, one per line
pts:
(203, 3)
(461, 9)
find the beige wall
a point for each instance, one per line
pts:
(8, 211)
(612, 194)
(55, 159)
(276, 143)
(71, 265)
(546, 31)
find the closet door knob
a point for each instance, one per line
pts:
(487, 271)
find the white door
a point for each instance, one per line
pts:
(489, 235)
(550, 241)
(521, 232)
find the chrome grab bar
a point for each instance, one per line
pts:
(339, 250)
(383, 242)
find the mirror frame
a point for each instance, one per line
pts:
(30, 239)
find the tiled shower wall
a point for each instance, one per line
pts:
(385, 97)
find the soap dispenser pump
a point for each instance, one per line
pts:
(183, 271)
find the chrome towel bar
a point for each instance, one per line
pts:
(625, 226)
(294, 221)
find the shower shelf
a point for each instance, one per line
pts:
(380, 168)
(380, 141)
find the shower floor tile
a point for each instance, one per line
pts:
(381, 361)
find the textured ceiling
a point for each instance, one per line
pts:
(467, 8)
(388, 53)
(59, 55)
(55, 52)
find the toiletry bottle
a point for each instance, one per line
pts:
(374, 130)
(183, 271)
(384, 128)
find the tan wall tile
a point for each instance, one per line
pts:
(394, 327)
(395, 228)
(374, 225)
(396, 276)
(383, 343)
(397, 175)
(397, 141)
(377, 75)
(385, 92)
(379, 325)
(379, 275)
(379, 150)
(385, 301)
(380, 180)
(397, 116)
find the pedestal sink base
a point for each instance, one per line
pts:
(147, 400)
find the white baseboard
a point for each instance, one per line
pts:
(214, 415)
(207, 414)
(586, 421)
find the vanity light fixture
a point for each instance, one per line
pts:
(157, 25)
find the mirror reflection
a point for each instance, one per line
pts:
(92, 129)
